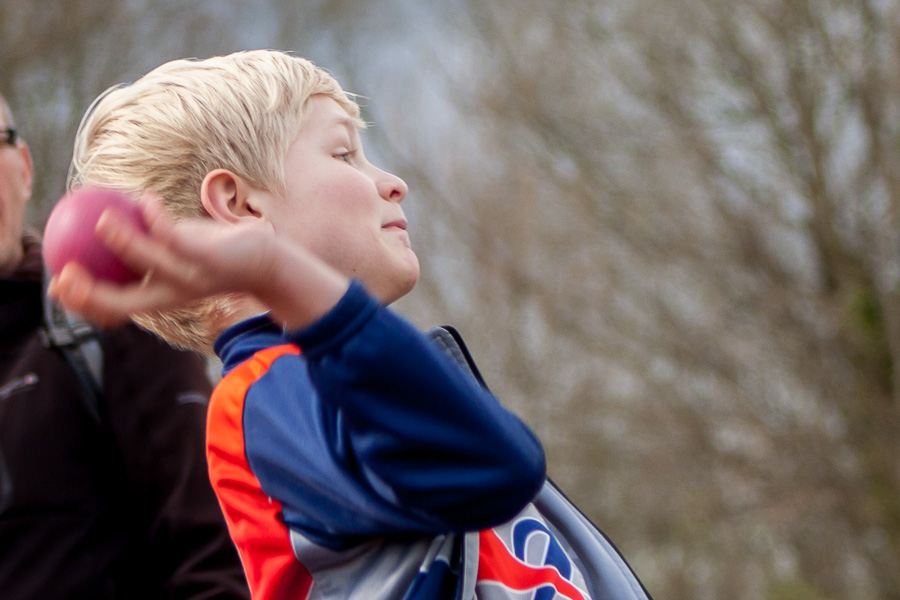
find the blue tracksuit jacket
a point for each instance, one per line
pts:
(357, 459)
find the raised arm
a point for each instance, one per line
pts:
(372, 430)
(191, 259)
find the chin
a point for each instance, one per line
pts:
(399, 286)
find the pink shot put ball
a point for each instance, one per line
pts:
(70, 233)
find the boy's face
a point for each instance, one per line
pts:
(344, 209)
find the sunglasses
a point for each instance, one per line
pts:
(10, 136)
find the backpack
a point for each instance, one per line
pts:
(450, 341)
(608, 573)
(79, 343)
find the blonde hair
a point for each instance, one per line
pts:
(171, 127)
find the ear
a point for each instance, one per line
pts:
(28, 170)
(227, 197)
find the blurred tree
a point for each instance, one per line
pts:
(56, 57)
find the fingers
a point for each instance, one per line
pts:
(104, 303)
(189, 258)
(176, 253)
(132, 245)
(159, 222)
(154, 250)
(155, 214)
(75, 289)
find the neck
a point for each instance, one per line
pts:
(243, 308)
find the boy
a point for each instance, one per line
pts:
(352, 457)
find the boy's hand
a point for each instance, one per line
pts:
(187, 260)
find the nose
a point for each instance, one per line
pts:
(391, 188)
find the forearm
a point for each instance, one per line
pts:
(423, 428)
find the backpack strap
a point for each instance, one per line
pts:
(450, 341)
(79, 343)
(6, 487)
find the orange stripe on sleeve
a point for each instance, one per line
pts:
(254, 520)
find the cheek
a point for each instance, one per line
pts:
(355, 197)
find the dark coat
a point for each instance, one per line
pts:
(121, 508)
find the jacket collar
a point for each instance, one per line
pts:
(31, 269)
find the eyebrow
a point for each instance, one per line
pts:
(347, 123)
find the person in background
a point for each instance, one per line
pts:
(110, 501)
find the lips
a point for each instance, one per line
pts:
(399, 224)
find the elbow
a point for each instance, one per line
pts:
(523, 480)
(528, 470)
(500, 492)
